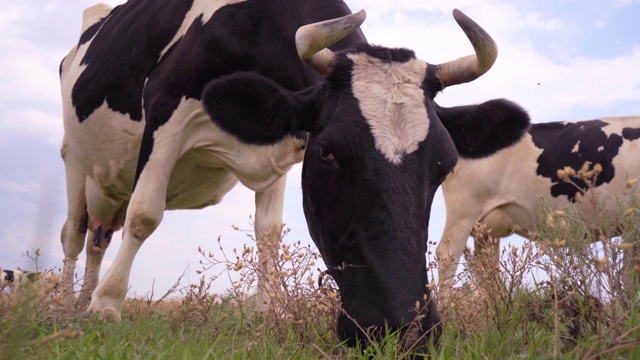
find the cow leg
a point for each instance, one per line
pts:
(630, 276)
(449, 251)
(486, 258)
(74, 229)
(91, 271)
(268, 231)
(103, 212)
(143, 215)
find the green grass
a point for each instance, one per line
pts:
(157, 336)
(180, 329)
(581, 310)
(151, 336)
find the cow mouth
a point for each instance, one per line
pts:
(416, 333)
(369, 312)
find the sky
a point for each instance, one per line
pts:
(561, 60)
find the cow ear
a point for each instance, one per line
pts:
(481, 130)
(253, 108)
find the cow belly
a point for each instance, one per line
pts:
(194, 185)
(508, 219)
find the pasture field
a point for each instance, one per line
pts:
(561, 299)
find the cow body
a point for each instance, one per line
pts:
(500, 191)
(167, 104)
(131, 93)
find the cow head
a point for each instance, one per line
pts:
(377, 152)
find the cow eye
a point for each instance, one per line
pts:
(326, 154)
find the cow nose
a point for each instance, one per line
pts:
(351, 332)
(415, 335)
(362, 328)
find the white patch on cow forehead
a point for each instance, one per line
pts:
(392, 102)
(206, 8)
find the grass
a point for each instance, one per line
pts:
(578, 308)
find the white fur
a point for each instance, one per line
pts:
(93, 14)
(392, 102)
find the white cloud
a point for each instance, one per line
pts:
(625, 3)
(551, 87)
(38, 124)
(15, 187)
(600, 24)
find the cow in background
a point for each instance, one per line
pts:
(500, 191)
(17, 279)
(168, 104)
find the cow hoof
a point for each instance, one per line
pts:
(108, 315)
(83, 302)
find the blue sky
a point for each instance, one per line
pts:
(561, 60)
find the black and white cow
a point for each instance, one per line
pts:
(16, 279)
(168, 104)
(500, 191)
(133, 113)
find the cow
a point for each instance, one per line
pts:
(17, 279)
(132, 102)
(500, 191)
(168, 104)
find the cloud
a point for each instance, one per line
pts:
(625, 3)
(15, 187)
(553, 83)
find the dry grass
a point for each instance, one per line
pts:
(569, 295)
(563, 298)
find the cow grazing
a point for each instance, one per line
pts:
(500, 191)
(168, 104)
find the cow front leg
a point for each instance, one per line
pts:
(143, 216)
(630, 271)
(486, 269)
(268, 232)
(449, 251)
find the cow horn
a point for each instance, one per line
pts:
(471, 67)
(312, 40)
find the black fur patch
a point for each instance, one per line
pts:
(123, 54)
(388, 55)
(631, 133)
(431, 84)
(572, 144)
(482, 130)
(8, 277)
